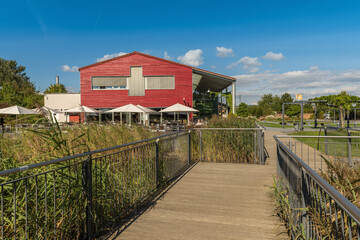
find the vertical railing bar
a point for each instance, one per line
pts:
(54, 204)
(201, 145)
(14, 199)
(36, 204)
(62, 200)
(26, 209)
(314, 160)
(350, 227)
(336, 216)
(2, 211)
(119, 174)
(45, 230)
(342, 224)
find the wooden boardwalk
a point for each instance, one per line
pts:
(215, 201)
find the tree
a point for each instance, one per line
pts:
(343, 101)
(276, 104)
(286, 98)
(266, 103)
(293, 110)
(242, 110)
(270, 104)
(54, 88)
(17, 89)
(256, 111)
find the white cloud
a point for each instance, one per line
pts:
(249, 64)
(67, 68)
(192, 57)
(224, 52)
(108, 56)
(167, 56)
(312, 82)
(213, 67)
(273, 56)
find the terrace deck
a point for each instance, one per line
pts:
(215, 201)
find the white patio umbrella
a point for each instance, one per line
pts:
(147, 111)
(178, 108)
(16, 110)
(46, 111)
(81, 109)
(130, 108)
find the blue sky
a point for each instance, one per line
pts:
(305, 47)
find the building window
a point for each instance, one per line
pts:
(160, 82)
(108, 83)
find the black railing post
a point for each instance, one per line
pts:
(349, 149)
(157, 161)
(87, 188)
(189, 139)
(263, 146)
(201, 147)
(326, 142)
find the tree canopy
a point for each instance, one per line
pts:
(343, 101)
(54, 88)
(16, 87)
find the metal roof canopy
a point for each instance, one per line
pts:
(301, 103)
(214, 82)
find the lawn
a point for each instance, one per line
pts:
(338, 148)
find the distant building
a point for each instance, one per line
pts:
(142, 79)
(150, 81)
(62, 102)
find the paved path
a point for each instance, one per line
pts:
(215, 201)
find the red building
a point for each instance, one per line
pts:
(150, 81)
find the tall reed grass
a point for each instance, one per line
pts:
(239, 146)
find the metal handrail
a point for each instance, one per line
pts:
(226, 129)
(301, 136)
(349, 207)
(58, 160)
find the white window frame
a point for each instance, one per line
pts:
(146, 82)
(106, 89)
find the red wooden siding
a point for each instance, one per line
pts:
(152, 98)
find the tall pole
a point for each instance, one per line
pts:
(283, 114)
(302, 116)
(316, 115)
(348, 118)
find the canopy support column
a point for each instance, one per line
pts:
(113, 117)
(121, 118)
(233, 97)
